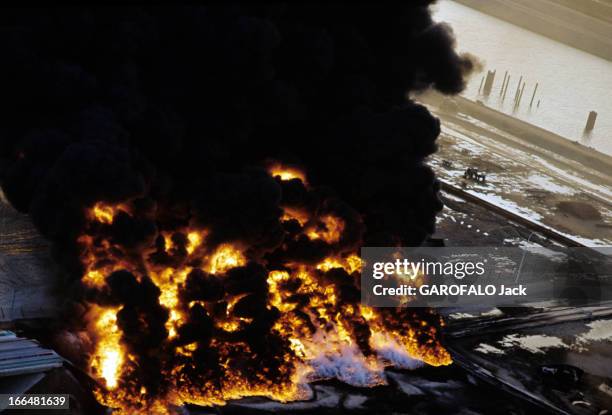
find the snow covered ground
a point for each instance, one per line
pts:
(526, 184)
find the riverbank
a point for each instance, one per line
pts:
(538, 138)
(525, 174)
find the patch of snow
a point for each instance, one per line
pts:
(508, 205)
(453, 197)
(535, 217)
(600, 330)
(493, 312)
(488, 349)
(547, 183)
(584, 183)
(550, 254)
(464, 142)
(460, 316)
(536, 343)
(530, 158)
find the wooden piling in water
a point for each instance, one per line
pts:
(518, 89)
(506, 88)
(503, 85)
(534, 92)
(488, 85)
(520, 97)
(591, 121)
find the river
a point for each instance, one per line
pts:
(571, 82)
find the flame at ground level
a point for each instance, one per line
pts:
(232, 328)
(109, 354)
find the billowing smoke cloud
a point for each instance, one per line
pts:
(177, 114)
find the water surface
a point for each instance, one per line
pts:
(571, 82)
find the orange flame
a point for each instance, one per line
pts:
(330, 232)
(286, 173)
(103, 213)
(109, 356)
(317, 325)
(224, 258)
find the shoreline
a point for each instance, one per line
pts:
(531, 134)
(526, 172)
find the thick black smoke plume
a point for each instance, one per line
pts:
(178, 110)
(171, 104)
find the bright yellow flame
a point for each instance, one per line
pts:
(103, 213)
(169, 280)
(168, 244)
(230, 326)
(110, 367)
(287, 173)
(194, 240)
(275, 279)
(350, 264)
(108, 356)
(94, 278)
(312, 320)
(225, 257)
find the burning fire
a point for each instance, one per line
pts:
(317, 329)
(330, 230)
(225, 257)
(103, 213)
(287, 173)
(109, 354)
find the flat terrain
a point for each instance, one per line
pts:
(529, 180)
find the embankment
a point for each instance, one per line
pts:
(529, 133)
